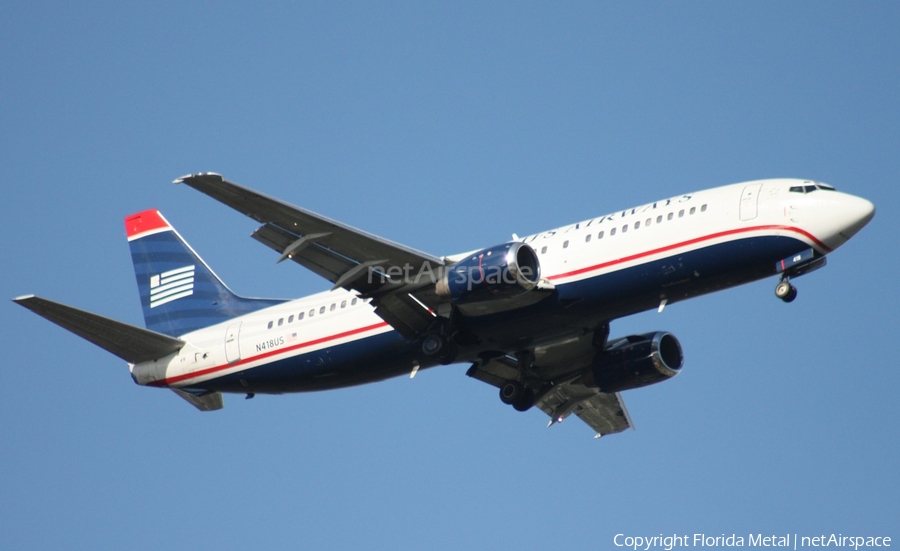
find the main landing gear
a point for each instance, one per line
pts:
(441, 346)
(785, 291)
(517, 393)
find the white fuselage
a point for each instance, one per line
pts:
(317, 329)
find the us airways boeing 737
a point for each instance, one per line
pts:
(531, 316)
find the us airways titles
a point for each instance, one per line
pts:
(611, 218)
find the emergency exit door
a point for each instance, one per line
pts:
(232, 342)
(750, 202)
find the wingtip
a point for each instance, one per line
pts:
(198, 174)
(22, 298)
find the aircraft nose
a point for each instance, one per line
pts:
(857, 212)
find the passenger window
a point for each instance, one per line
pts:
(625, 228)
(312, 312)
(280, 322)
(612, 232)
(291, 318)
(566, 244)
(681, 213)
(333, 306)
(647, 222)
(544, 249)
(659, 219)
(587, 238)
(353, 302)
(670, 216)
(270, 325)
(637, 225)
(300, 316)
(343, 304)
(322, 310)
(600, 235)
(703, 208)
(693, 210)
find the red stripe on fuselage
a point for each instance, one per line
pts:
(203, 372)
(687, 243)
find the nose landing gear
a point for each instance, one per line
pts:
(785, 291)
(795, 266)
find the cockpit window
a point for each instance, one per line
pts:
(810, 187)
(803, 189)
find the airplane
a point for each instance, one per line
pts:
(532, 316)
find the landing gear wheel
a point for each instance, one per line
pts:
(512, 392)
(785, 291)
(517, 395)
(436, 345)
(525, 402)
(448, 355)
(433, 344)
(791, 295)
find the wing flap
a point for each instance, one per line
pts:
(132, 344)
(605, 413)
(310, 254)
(404, 313)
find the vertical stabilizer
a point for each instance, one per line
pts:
(179, 292)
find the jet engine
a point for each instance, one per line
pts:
(498, 272)
(635, 361)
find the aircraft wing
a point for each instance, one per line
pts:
(387, 272)
(556, 371)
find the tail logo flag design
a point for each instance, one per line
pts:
(171, 285)
(179, 292)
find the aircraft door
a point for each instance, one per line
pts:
(750, 201)
(232, 342)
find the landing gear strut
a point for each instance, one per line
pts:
(785, 291)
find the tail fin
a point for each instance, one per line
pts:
(179, 292)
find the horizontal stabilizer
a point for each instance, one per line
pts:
(132, 344)
(204, 402)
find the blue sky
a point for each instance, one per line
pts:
(445, 126)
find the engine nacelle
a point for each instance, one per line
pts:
(499, 272)
(635, 361)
